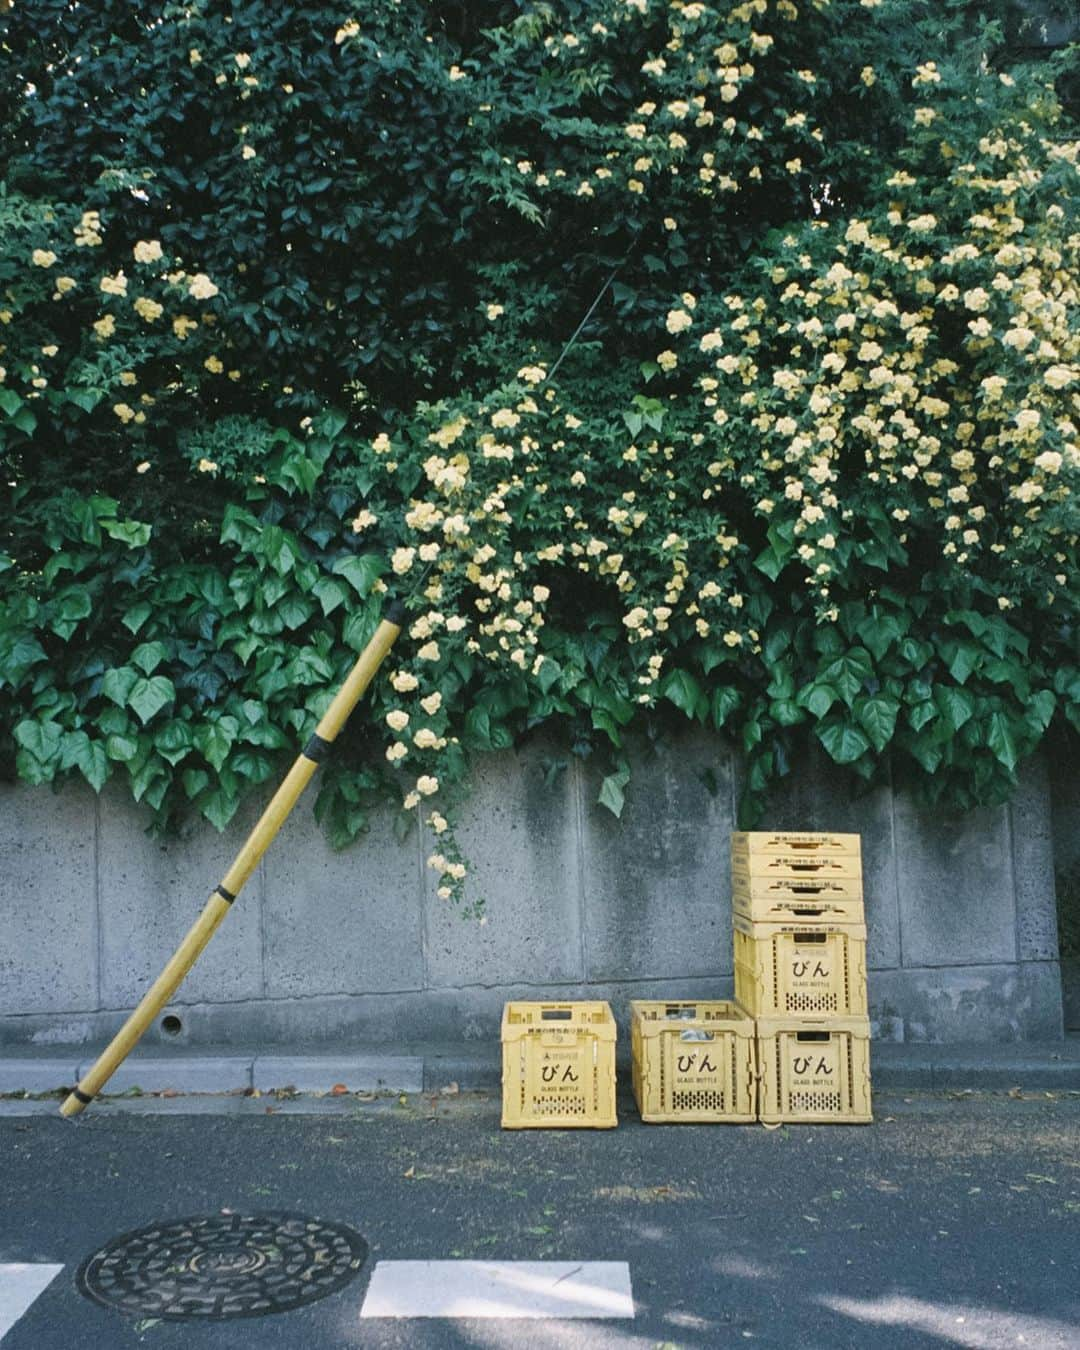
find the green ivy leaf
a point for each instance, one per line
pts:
(604, 722)
(879, 632)
(149, 696)
(877, 717)
(724, 701)
(848, 673)
(255, 768)
(194, 781)
(920, 713)
(917, 654)
(785, 712)
(1040, 710)
(548, 674)
(330, 594)
(611, 792)
(361, 571)
(17, 656)
(123, 749)
(219, 807)
(683, 690)
(927, 752)
(131, 532)
(42, 739)
(294, 610)
(136, 616)
(70, 606)
(86, 399)
(148, 656)
(957, 706)
(117, 684)
(844, 741)
(962, 658)
(92, 760)
(214, 740)
(818, 699)
(174, 741)
(1000, 739)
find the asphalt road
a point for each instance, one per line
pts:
(950, 1222)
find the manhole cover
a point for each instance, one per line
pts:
(223, 1265)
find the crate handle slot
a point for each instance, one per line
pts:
(556, 1015)
(697, 1035)
(812, 1035)
(809, 845)
(808, 910)
(809, 887)
(681, 1010)
(800, 938)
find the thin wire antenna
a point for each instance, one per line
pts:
(589, 313)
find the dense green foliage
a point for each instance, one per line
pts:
(285, 299)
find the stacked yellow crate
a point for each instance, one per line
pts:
(800, 970)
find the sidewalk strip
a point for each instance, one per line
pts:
(499, 1289)
(20, 1284)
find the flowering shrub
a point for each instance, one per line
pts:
(809, 467)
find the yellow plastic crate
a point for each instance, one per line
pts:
(818, 901)
(793, 969)
(558, 1066)
(693, 1061)
(807, 843)
(814, 1070)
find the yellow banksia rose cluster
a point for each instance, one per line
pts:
(687, 130)
(129, 311)
(940, 375)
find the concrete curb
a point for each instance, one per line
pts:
(478, 1066)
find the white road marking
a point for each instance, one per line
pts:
(499, 1289)
(20, 1284)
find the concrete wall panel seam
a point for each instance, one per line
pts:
(421, 883)
(579, 827)
(1011, 832)
(98, 957)
(261, 902)
(896, 873)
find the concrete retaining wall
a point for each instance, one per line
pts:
(356, 945)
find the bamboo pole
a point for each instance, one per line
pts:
(260, 838)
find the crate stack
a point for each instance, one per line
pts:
(800, 971)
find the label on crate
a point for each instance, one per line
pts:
(810, 968)
(562, 1069)
(694, 1065)
(814, 1067)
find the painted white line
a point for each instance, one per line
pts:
(20, 1284)
(499, 1289)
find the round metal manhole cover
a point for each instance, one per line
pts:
(223, 1265)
